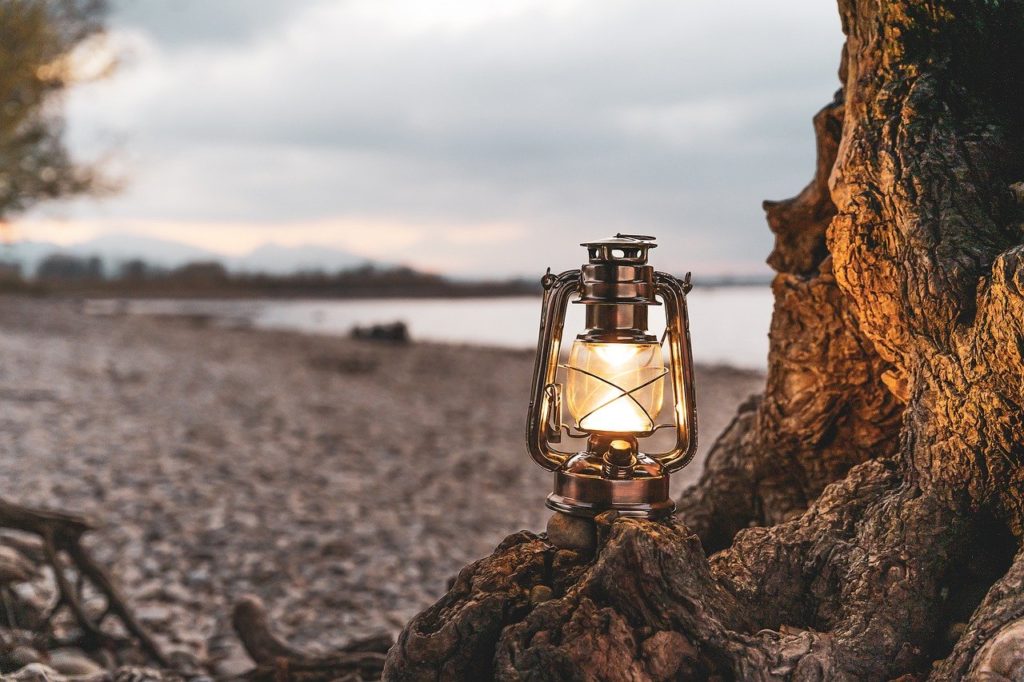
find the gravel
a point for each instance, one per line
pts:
(343, 482)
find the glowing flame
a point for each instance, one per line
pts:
(621, 415)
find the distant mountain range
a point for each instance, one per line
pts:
(114, 249)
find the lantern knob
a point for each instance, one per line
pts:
(620, 459)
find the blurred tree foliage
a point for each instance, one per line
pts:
(45, 47)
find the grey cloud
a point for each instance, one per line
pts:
(571, 125)
(191, 23)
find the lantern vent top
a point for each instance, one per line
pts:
(622, 248)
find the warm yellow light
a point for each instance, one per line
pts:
(600, 386)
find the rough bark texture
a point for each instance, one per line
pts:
(862, 519)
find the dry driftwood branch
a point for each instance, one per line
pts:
(276, 659)
(60, 533)
(863, 518)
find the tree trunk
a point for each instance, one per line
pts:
(863, 518)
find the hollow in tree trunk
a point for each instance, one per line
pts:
(862, 519)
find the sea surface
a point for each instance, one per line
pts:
(728, 325)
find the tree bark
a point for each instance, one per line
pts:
(863, 518)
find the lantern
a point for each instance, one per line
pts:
(613, 383)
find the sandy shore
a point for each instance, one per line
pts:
(343, 482)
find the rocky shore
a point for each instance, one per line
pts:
(343, 482)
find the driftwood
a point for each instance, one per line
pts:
(361, 659)
(863, 518)
(74, 570)
(53, 541)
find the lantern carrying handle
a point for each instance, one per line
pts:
(677, 327)
(539, 432)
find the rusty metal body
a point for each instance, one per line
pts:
(616, 286)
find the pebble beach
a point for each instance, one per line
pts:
(342, 481)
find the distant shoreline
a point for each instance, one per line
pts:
(88, 278)
(124, 290)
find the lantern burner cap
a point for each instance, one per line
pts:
(628, 249)
(618, 274)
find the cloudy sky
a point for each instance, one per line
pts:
(465, 136)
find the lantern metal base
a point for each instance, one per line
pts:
(583, 488)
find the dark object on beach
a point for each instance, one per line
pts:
(863, 518)
(396, 332)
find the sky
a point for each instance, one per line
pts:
(467, 137)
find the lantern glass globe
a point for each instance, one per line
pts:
(615, 387)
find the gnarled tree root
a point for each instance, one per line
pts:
(992, 644)
(849, 590)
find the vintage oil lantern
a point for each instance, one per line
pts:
(613, 383)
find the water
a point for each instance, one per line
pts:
(728, 325)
